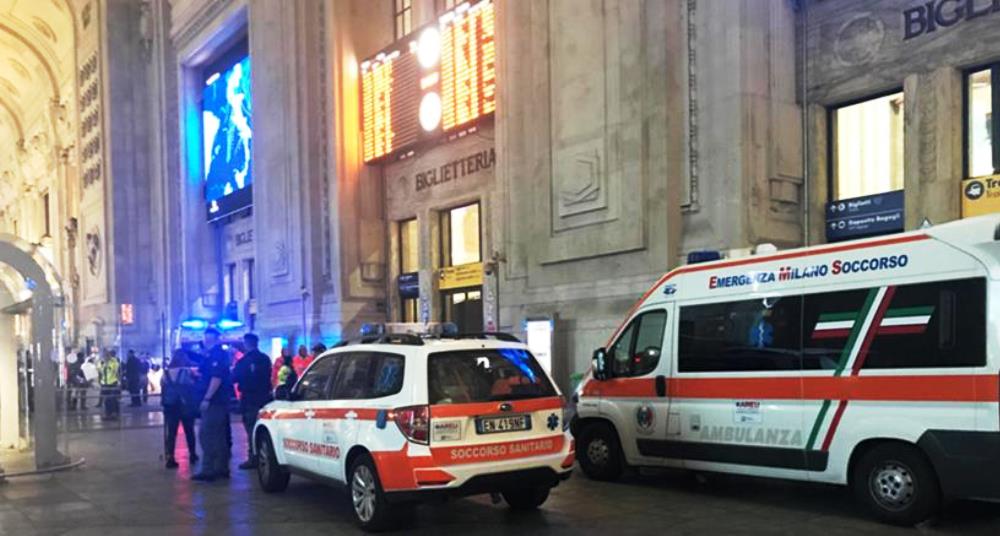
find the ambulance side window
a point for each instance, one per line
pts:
(749, 335)
(637, 350)
(931, 325)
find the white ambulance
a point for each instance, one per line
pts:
(403, 418)
(871, 363)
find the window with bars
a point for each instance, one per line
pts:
(440, 6)
(402, 16)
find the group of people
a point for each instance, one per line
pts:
(202, 386)
(107, 372)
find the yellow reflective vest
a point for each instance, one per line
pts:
(109, 372)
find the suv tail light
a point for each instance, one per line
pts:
(414, 422)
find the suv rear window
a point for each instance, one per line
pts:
(485, 376)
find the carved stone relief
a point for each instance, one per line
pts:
(95, 251)
(279, 259)
(583, 184)
(859, 39)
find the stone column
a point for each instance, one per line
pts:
(933, 146)
(747, 134)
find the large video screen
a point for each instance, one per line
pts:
(227, 129)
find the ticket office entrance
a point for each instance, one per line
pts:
(460, 280)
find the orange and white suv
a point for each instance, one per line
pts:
(402, 418)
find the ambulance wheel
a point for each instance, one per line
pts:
(368, 501)
(897, 484)
(525, 499)
(599, 453)
(272, 476)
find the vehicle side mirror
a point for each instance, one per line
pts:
(599, 364)
(652, 353)
(282, 392)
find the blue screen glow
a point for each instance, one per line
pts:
(227, 128)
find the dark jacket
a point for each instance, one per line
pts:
(253, 375)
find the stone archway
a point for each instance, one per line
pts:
(46, 300)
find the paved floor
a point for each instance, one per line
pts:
(124, 490)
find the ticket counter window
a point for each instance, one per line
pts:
(867, 150)
(409, 262)
(982, 92)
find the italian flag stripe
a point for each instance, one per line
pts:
(909, 311)
(845, 356)
(901, 321)
(835, 317)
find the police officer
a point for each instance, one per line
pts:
(253, 375)
(214, 373)
(109, 377)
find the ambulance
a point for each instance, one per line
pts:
(872, 363)
(401, 418)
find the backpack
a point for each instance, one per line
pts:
(174, 390)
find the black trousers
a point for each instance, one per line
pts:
(173, 417)
(249, 413)
(110, 397)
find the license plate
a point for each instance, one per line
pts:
(507, 423)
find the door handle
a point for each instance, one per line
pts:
(661, 386)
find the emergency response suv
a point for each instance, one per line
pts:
(871, 363)
(404, 418)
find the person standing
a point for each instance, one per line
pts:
(133, 370)
(214, 409)
(253, 375)
(77, 383)
(90, 374)
(109, 377)
(144, 378)
(284, 359)
(301, 362)
(179, 402)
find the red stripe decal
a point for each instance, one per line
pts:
(902, 330)
(833, 425)
(361, 414)
(831, 334)
(872, 330)
(936, 388)
(491, 452)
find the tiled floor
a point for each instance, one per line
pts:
(123, 489)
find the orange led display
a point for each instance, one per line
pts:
(394, 84)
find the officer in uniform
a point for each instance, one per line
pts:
(253, 375)
(214, 433)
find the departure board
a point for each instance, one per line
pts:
(439, 79)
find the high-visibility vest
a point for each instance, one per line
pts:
(109, 372)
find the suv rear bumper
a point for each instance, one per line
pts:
(486, 483)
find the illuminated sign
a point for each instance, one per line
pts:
(127, 314)
(980, 196)
(440, 79)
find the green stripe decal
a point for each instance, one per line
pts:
(819, 422)
(909, 311)
(834, 317)
(845, 355)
